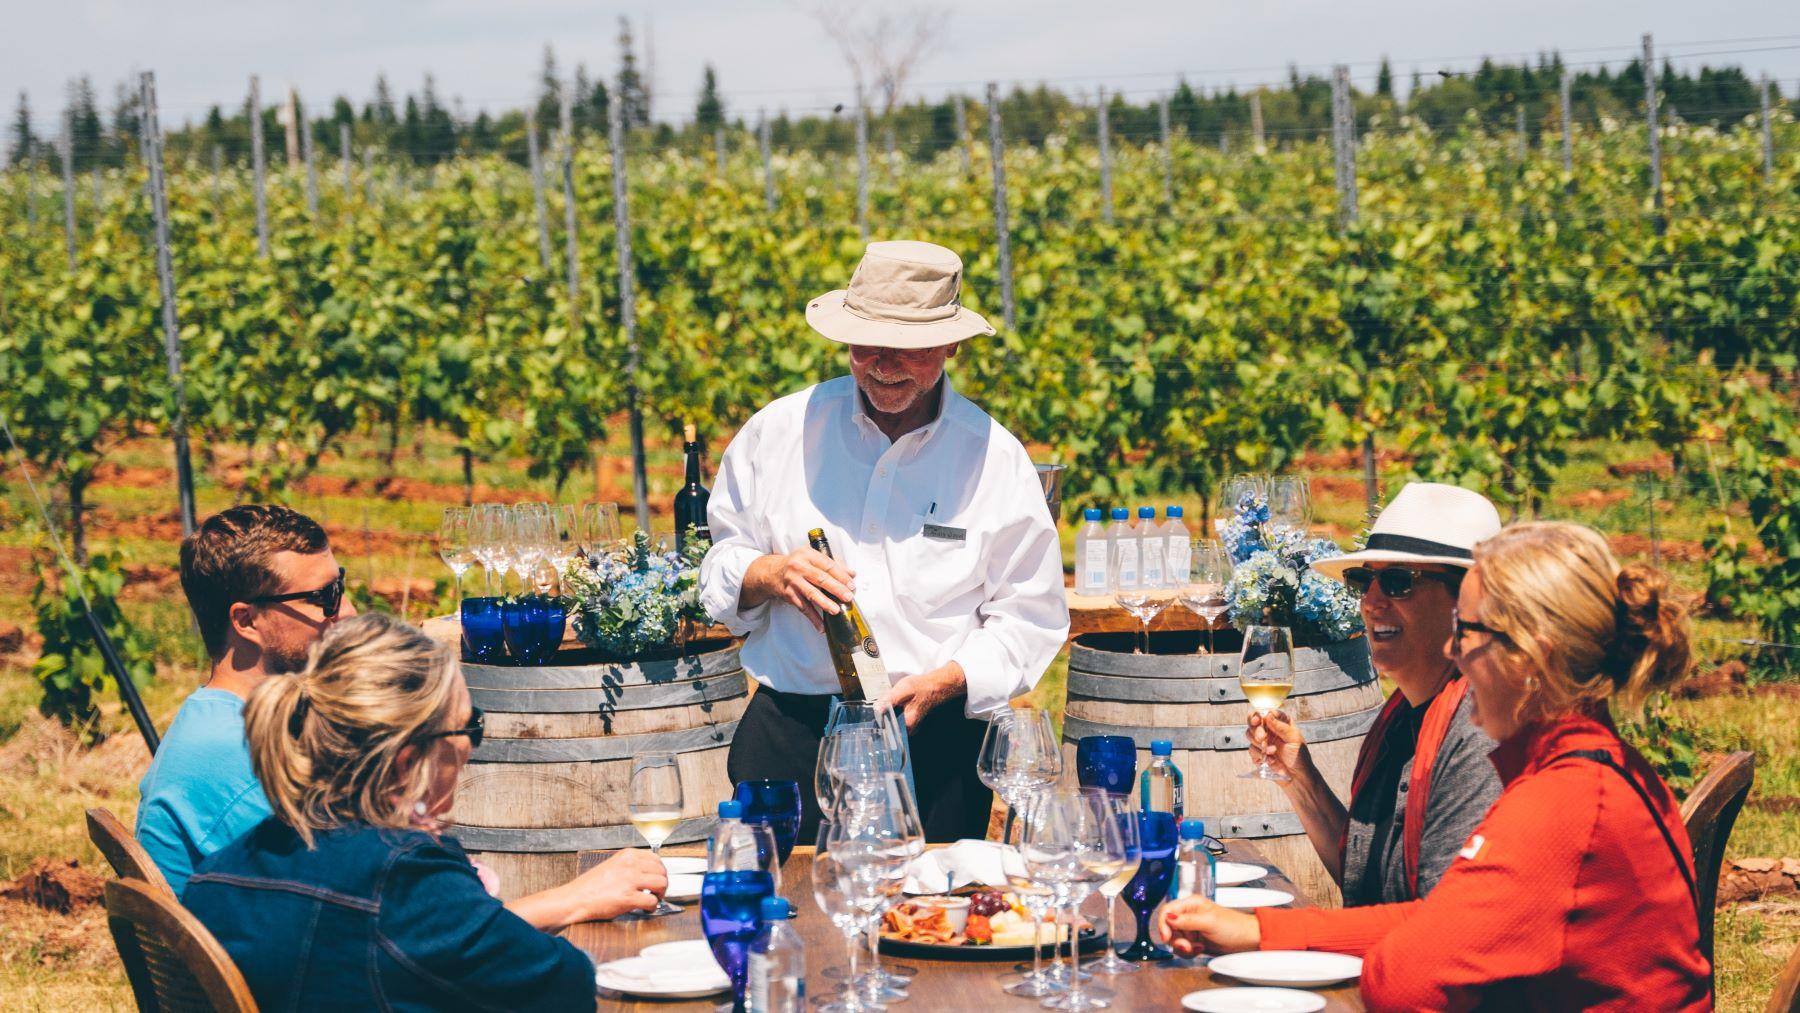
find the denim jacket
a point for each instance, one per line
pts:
(380, 919)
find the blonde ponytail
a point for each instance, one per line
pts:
(325, 742)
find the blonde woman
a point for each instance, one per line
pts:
(348, 896)
(1576, 891)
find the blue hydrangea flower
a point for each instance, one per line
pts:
(630, 602)
(1274, 583)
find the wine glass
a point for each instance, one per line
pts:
(1137, 592)
(565, 547)
(1290, 502)
(496, 533)
(1108, 762)
(1074, 844)
(839, 877)
(453, 544)
(775, 804)
(530, 536)
(1123, 813)
(1241, 490)
(655, 804)
(1038, 898)
(889, 724)
(889, 823)
(1209, 570)
(740, 871)
(1266, 673)
(1019, 753)
(1150, 884)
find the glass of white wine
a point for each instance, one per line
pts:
(1266, 673)
(656, 807)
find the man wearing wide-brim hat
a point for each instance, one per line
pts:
(1423, 780)
(937, 527)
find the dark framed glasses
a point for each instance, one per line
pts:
(475, 729)
(1397, 582)
(1459, 625)
(328, 598)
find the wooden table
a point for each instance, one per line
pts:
(941, 984)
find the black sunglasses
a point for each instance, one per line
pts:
(328, 598)
(475, 729)
(1458, 625)
(1397, 582)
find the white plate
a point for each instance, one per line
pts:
(684, 866)
(1252, 1000)
(1293, 968)
(1246, 897)
(682, 951)
(684, 886)
(1238, 873)
(1230, 874)
(660, 978)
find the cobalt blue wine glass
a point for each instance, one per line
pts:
(1106, 761)
(776, 805)
(482, 637)
(740, 872)
(1156, 872)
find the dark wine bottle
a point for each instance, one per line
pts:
(690, 502)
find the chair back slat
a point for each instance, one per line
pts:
(173, 963)
(122, 851)
(1710, 811)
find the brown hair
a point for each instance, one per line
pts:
(325, 743)
(1588, 628)
(228, 559)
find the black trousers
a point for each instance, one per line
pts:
(779, 736)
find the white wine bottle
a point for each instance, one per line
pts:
(860, 672)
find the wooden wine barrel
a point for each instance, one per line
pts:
(1193, 699)
(552, 776)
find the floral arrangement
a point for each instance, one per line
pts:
(631, 601)
(1273, 583)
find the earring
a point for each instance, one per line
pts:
(1531, 684)
(419, 808)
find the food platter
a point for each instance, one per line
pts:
(979, 925)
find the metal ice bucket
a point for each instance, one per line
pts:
(1051, 477)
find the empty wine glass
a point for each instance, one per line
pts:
(1209, 570)
(655, 803)
(565, 546)
(1290, 502)
(599, 527)
(453, 544)
(1135, 591)
(888, 823)
(1038, 898)
(494, 522)
(1073, 843)
(840, 878)
(1124, 814)
(1241, 490)
(1019, 753)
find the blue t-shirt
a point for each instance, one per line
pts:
(201, 793)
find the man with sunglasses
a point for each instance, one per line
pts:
(263, 586)
(1423, 779)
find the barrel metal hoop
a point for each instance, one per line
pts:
(641, 696)
(603, 675)
(1222, 737)
(1350, 655)
(1254, 825)
(553, 839)
(610, 747)
(1093, 686)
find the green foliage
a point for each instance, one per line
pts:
(1669, 744)
(71, 668)
(1756, 573)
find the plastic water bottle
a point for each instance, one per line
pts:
(1181, 550)
(1196, 866)
(1090, 554)
(1151, 551)
(1159, 786)
(1122, 550)
(777, 963)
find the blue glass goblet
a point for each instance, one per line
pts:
(553, 619)
(1156, 872)
(482, 638)
(776, 805)
(519, 620)
(1106, 761)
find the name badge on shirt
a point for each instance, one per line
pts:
(944, 534)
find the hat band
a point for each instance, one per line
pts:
(1416, 546)
(868, 309)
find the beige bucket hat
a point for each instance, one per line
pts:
(1426, 523)
(904, 294)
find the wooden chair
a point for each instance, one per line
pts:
(1786, 997)
(127, 857)
(174, 964)
(1709, 812)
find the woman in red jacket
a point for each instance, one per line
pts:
(1577, 889)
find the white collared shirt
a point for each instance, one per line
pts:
(991, 600)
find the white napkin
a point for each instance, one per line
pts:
(982, 863)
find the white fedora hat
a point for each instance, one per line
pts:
(904, 294)
(1426, 523)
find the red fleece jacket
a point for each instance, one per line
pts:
(1566, 897)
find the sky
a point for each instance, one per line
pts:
(772, 53)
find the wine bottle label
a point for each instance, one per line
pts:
(869, 670)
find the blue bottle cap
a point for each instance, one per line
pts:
(776, 909)
(1091, 514)
(1174, 511)
(1191, 830)
(731, 809)
(1121, 514)
(1146, 512)
(1162, 747)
